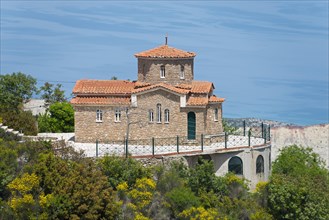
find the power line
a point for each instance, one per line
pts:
(53, 81)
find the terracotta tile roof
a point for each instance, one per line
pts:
(216, 99)
(201, 87)
(197, 101)
(184, 86)
(103, 87)
(141, 84)
(101, 100)
(165, 51)
(163, 85)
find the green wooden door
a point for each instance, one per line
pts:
(191, 126)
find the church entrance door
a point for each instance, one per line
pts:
(191, 126)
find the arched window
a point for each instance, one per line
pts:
(166, 112)
(159, 113)
(99, 115)
(235, 165)
(260, 164)
(151, 115)
(162, 72)
(216, 114)
(182, 72)
(117, 115)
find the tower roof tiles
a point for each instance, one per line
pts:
(165, 51)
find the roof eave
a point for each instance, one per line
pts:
(157, 88)
(164, 58)
(196, 106)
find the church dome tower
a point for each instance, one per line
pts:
(165, 64)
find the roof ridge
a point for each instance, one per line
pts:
(165, 51)
(161, 84)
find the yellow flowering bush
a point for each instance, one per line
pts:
(23, 190)
(199, 213)
(140, 216)
(23, 201)
(122, 186)
(24, 184)
(260, 187)
(45, 199)
(142, 193)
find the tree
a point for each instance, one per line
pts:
(60, 118)
(299, 185)
(22, 121)
(8, 166)
(228, 128)
(119, 170)
(83, 192)
(52, 95)
(203, 179)
(15, 88)
(180, 199)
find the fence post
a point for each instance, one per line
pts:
(177, 140)
(265, 136)
(244, 127)
(96, 148)
(202, 142)
(262, 130)
(152, 146)
(249, 134)
(225, 140)
(126, 140)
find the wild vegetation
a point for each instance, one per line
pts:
(38, 181)
(18, 88)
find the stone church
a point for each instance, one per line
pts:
(165, 101)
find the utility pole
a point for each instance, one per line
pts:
(127, 131)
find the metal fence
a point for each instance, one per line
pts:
(241, 137)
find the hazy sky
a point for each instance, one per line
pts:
(268, 59)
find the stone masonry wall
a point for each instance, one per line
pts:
(147, 101)
(149, 70)
(214, 127)
(87, 130)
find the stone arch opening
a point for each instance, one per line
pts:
(260, 164)
(235, 165)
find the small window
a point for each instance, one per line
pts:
(159, 113)
(260, 164)
(117, 115)
(99, 115)
(182, 73)
(216, 114)
(166, 115)
(151, 115)
(162, 72)
(235, 166)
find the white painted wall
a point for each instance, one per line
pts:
(315, 137)
(248, 157)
